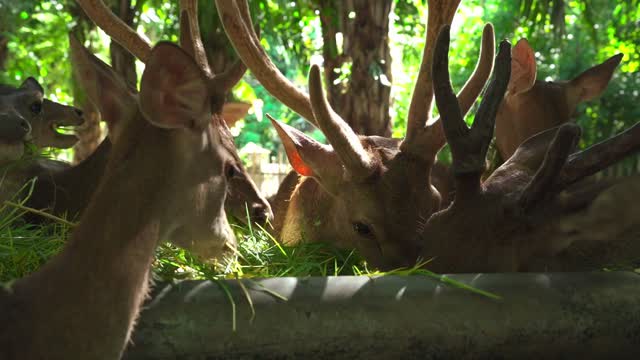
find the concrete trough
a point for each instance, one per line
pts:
(539, 316)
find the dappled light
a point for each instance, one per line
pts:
(319, 179)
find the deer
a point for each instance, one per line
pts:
(44, 115)
(362, 192)
(244, 201)
(15, 130)
(516, 216)
(166, 180)
(531, 106)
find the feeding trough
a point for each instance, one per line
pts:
(546, 315)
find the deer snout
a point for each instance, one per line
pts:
(260, 213)
(14, 128)
(25, 126)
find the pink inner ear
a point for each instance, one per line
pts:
(523, 67)
(298, 164)
(293, 154)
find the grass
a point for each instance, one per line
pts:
(25, 247)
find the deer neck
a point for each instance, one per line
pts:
(102, 273)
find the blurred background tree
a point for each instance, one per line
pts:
(568, 36)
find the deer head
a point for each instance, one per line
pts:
(531, 106)
(15, 129)
(359, 191)
(44, 116)
(193, 206)
(243, 192)
(515, 216)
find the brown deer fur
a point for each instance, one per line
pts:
(164, 181)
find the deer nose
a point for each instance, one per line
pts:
(25, 126)
(260, 213)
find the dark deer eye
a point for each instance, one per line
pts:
(36, 107)
(231, 171)
(362, 229)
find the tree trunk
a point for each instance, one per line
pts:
(4, 51)
(364, 101)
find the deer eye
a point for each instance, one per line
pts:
(36, 107)
(231, 171)
(362, 229)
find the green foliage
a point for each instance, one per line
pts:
(589, 30)
(37, 32)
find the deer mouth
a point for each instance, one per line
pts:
(65, 130)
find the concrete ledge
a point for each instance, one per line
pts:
(541, 316)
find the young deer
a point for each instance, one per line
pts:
(243, 193)
(365, 192)
(166, 180)
(43, 115)
(516, 216)
(531, 106)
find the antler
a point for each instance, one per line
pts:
(561, 146)
(424, 139)
(314, 107)
(190, 38)
(340, 135)
(100, 14)
(468, 145)
(599, 156)
(191, 42)
(248, 47)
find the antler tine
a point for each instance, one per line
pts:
(339, 134)
(102, 16)
(561, 146)
(432, 139)
(453, 123)
(468, 146)
(599, 156)
(190, 38)
(441, 12)
(485, 118)
(253, 55)
(230, 77)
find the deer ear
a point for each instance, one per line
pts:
(173, 89)
(32, 84)
(234, 111)
(592, 82)
(307, 156)
(523, 67)
(104, 87)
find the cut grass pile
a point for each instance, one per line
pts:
(25, 247)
